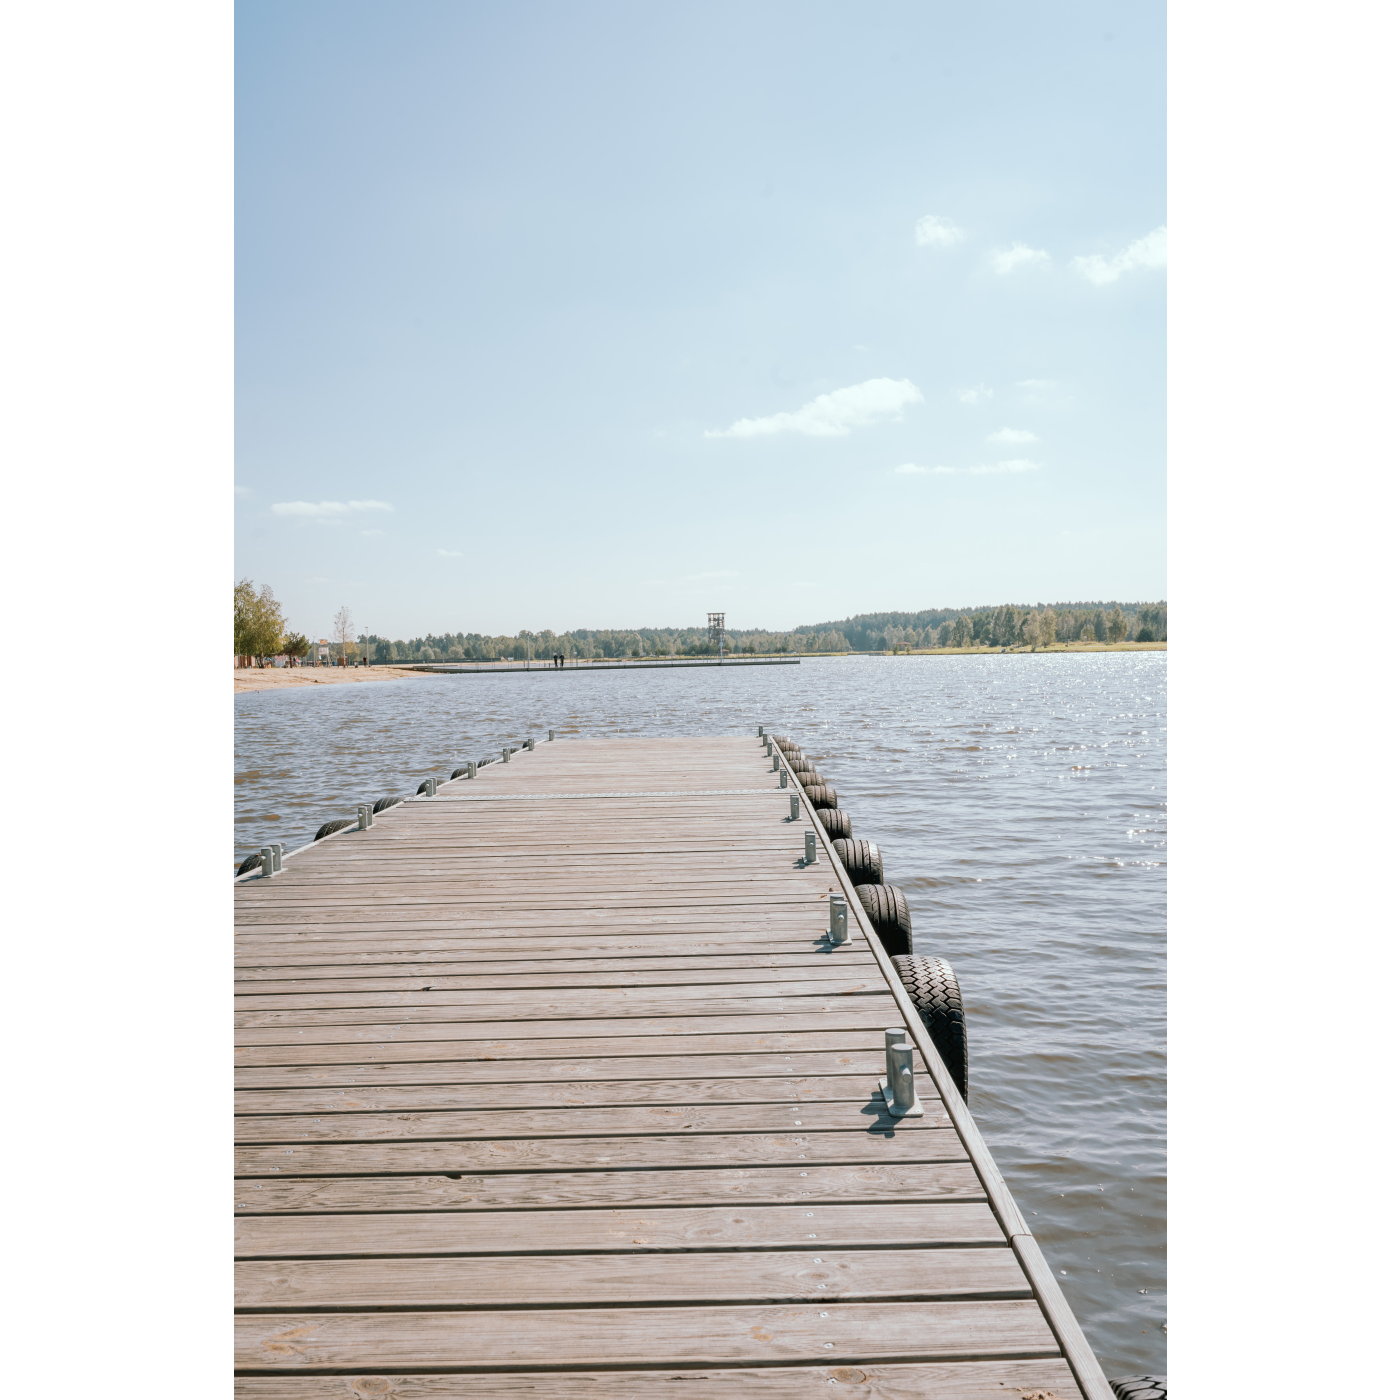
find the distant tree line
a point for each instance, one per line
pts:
(1006, 626)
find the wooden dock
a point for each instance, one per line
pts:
(553, 1085)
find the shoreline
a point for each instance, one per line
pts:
(254, 678)
(294, 677)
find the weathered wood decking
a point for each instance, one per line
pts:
(551, 1085)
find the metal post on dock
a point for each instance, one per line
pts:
(898, 1084)
(792, 807)
(809, 854)
(838, 932)
(760, 731)
(777, 762)
(505, 755)
(269, 858)
(530, 744)
(471, 770)
(551, 736)
(782, 777)
(278, 849)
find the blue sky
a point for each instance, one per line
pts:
(611, 314)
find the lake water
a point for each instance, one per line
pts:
(1020, 801)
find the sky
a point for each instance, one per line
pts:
(611, 315)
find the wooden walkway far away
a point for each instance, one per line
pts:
(552, 1085)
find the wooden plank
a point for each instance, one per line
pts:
(518, 1232)
(867, 1014)
(549, 1281)
(608, 999)
(963, 1380)
(369, 1053)
(526, 1091)
(327, 1079)
(585, 1154)
(939, 1181)
(867, 1113)
(846, 1335)
(799, 979)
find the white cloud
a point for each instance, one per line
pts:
(977, 394)
(909, 469)
(1019, 464)
(834, 414)
(242, 490)
(1149, 252)
(933, 231)
(1035, 383)
(326, 510)
(1006, 260)
(1012, 435)
(452, 554)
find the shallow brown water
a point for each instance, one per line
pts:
(1019, 800)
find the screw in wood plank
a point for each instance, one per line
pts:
(792, 807)
(810, 852)
(269, 858)
(838, 933)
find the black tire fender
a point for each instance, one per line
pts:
(933, 988)
(888, 912)
(385, 803)
(821, 795)
(330, 828)
(837, 823)
(862, 861)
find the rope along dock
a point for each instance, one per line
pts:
(572, 1092)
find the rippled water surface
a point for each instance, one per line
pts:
(1019, 800)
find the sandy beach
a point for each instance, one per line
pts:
(290, 677)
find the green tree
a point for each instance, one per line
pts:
(257, 620)
(1045, 623)
(1086, 633)
(296, 645)
(1117, 625)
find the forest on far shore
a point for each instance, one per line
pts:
(1007, 625)
(259, 629)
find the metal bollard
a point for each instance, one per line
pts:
(530, 744)
(899, 1060)
(269, 857)
(760, 731)
(277, 851)
(782, 777)
(770, 746)
(362, 813)
(838, 932)
(471, 770)
(505, 755)
(792, 807)
(809, 853)
(777, 763)
(551, 736)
